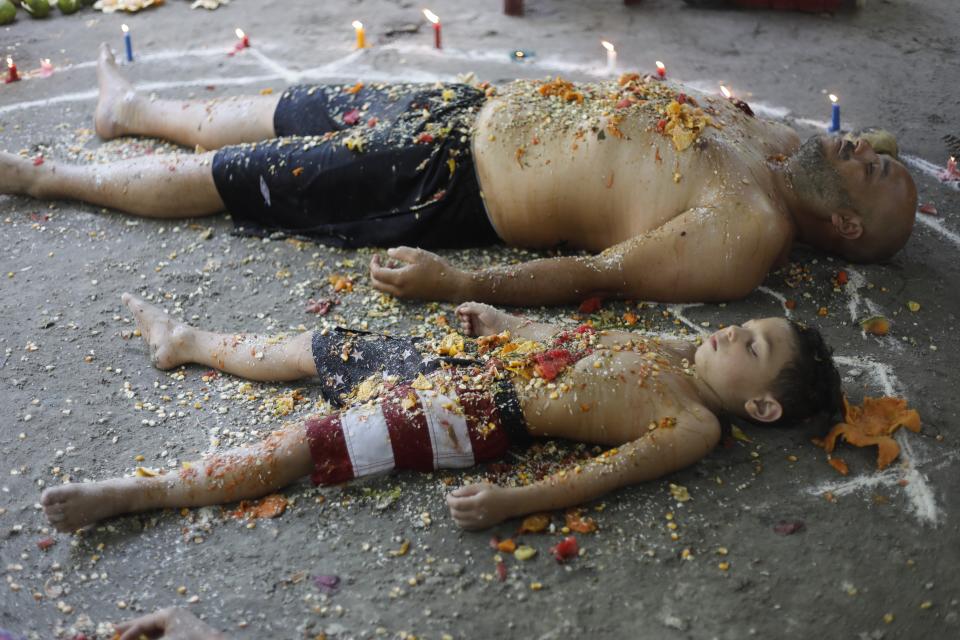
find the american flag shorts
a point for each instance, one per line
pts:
(421, 430)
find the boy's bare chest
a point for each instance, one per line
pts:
(608, 398)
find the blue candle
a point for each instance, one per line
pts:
(835, 115)
(127, 42)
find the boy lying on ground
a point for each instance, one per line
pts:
(655, 403)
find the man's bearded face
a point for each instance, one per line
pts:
(815, 179)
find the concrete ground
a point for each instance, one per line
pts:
(81, 401)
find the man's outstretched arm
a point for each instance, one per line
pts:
(699, 256)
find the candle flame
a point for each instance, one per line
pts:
(357, 25)
(45, 61)
(9, 61)
(726, 92)
(240, 33)
(124, 28)
(661, 66)
(431, 16)
(518, 54)
(607, 45)
(833, 98)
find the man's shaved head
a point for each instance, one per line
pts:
(871, 200)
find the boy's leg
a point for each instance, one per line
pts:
(209, 123)
(178, 186)
(240, 474)
(255, 357)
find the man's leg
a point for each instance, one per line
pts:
(209, 123)
(177, 186)
(240, 474)
(254, 357)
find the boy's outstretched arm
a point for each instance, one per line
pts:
(702, 255)
(658, 453)
(478, 319)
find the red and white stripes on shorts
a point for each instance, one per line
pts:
(409, 429)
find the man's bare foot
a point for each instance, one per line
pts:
(167, 339)
(73, 506)
(117, 97)
(478, 319)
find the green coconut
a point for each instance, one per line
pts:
(68, 6)
(881, 140)
(8, 12)
(37, 8)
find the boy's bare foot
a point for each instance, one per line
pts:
(73, 506)
(117, 97)
(17, 175)
(167, 339)
(478, 319)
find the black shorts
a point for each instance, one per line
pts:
(345, 358)
(377, 165)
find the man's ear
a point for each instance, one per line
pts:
(848, 225)
(763, 408)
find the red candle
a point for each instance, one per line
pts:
(661, 70)
(432, 17)
(243, 41)
(12, 75)
(952, 168)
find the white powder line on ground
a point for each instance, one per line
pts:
(782, 299)
(677, 311)
(855, 282)
(937, 225)
(883, 478)
(930, 169)
(269, 63)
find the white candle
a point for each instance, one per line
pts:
(611, 56)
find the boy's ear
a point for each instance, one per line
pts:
(848, 225)
(764, 408)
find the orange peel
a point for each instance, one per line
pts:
(873, 423)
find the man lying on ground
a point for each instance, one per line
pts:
(655, 403)
(682, 196)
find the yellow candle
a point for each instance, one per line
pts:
(361, 34)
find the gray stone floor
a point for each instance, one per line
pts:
(81, 401)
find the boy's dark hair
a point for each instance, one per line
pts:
(810, 383)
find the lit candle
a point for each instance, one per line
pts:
(611, 56)
(661, 70)
(244, 39)
(952, 167)
(737, 102)
(12, 75)
(361, 34)
(128, 43)
(835, 115)
(46, 69)
(432, 17)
